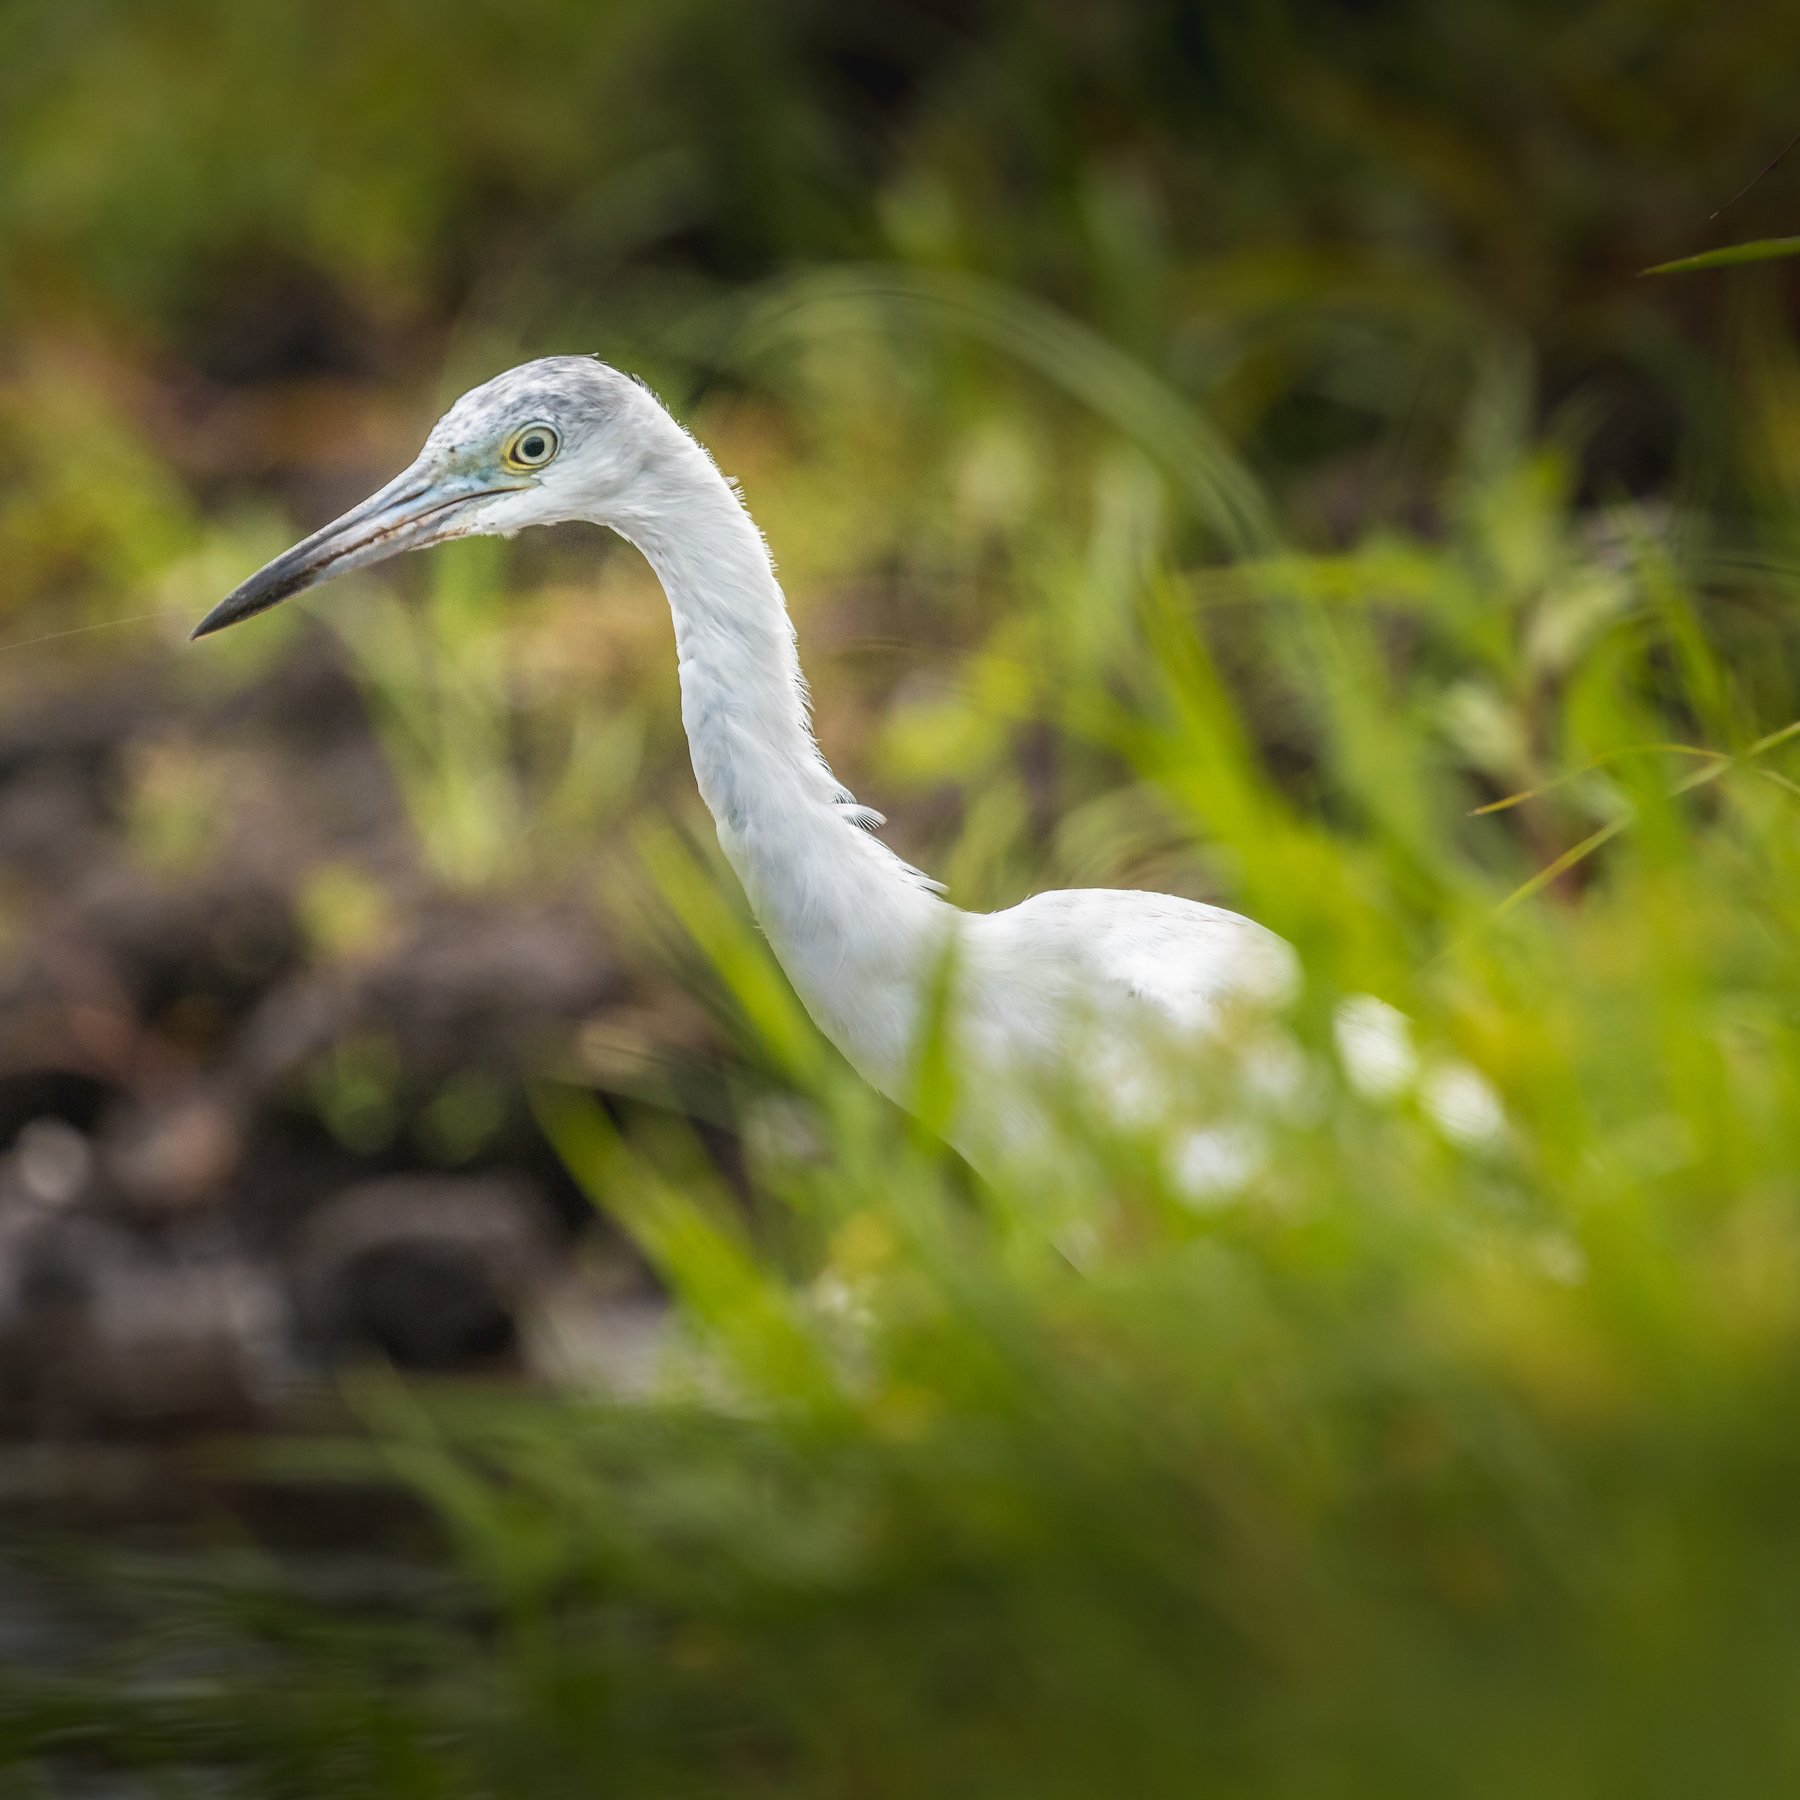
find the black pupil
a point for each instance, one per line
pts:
(533, 447)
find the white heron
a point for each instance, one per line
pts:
(863, 937)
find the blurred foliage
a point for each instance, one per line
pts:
(1222, 448)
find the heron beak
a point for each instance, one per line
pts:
(417, 508)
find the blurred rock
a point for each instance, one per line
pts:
(429, 1271)
(98, 1333)
(209, 1105)
(176, 1155)
(52, 1161)
(470, 983)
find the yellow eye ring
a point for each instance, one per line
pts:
(531, 446)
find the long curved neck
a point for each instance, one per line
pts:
(852, 925)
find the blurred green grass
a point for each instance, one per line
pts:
(1215, 450)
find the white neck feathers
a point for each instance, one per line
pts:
(852, 924)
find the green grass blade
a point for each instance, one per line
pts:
(1730, 255)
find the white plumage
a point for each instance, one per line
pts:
(1094, 984)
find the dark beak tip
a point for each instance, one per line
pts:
(216, 620)
(256, 595)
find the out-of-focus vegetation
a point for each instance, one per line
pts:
(1220, 449)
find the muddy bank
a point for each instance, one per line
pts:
(240, 1148)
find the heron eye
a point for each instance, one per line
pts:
(531, 447)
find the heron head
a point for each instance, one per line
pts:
(545, 442)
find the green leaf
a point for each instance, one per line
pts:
(1759, 250)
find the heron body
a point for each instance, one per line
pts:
(1103, 975)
